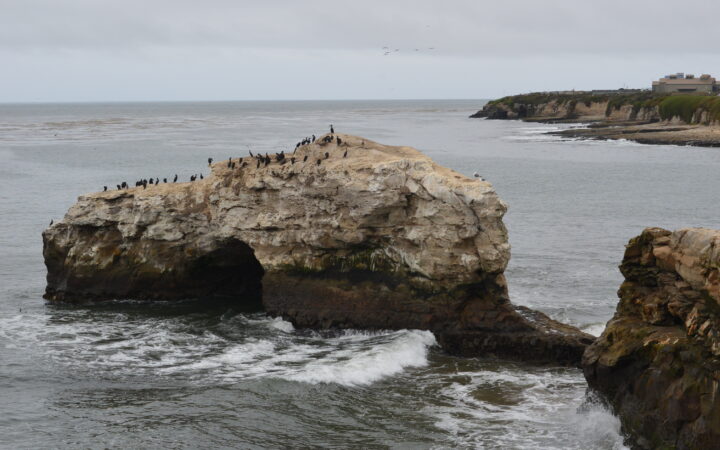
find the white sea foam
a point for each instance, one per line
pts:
(595, 329)
(361, 366)
(515, 409)
(282, 325)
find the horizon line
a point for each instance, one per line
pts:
(80, 102)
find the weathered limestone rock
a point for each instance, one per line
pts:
(380, 238)
(658, 360)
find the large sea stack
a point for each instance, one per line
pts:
(380, 238)
(658, 361)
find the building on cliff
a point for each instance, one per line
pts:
(685, 83)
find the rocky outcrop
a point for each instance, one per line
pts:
(658, 360)
(358, 235)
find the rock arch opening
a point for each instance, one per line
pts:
(230, 272)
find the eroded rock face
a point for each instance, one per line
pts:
(370, 236)
(658, 360)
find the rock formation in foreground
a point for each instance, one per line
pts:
(370, 236)
(658, 360)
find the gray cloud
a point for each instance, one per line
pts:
(480, 48)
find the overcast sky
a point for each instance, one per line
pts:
(126, 50)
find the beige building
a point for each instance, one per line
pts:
(688, 84)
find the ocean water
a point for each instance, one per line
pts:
(136, 375)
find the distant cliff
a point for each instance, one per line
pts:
(643, 107)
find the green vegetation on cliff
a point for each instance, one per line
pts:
(690, 107)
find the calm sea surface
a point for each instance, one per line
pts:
(137, 375)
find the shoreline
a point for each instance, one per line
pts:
(647, 133)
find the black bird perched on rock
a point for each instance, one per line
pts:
(118, 186)
(229, 162)
(251, 155)
(51, 222)
(313, 138)
(201, 177)
(157, 180)
(332, 130)
(345, 154)
(124, 185)
(164, 180)
(209, 161)
(151, 181)
(339, 141)
(327, 155)
(104, 188)
(232, 166)
(318, 162)
(305, 158)
(175, 179)
(258, 164)
(292, 160)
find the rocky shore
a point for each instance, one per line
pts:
(657, 361)
(356, 234)
(661, 133)
(641, 117)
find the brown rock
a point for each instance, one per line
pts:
(657, 362)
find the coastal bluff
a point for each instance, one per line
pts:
(352, 235)
(658, 360)
(641, 116)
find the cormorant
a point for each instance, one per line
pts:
(305, 158)
(232, 166)
(51, 222)
(258, 164)
(313, 138)
(209, 161)
(157, 180)
(251, 155)
(345, 154)
(118, 186)
(292, 160)
(332, 130)
(339, 141)
(319, 161)
(175, 179)
(151, 181)
(327, 155)
(104, 188)
(164, 180)
(201, 177)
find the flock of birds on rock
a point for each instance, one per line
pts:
(260, 161)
